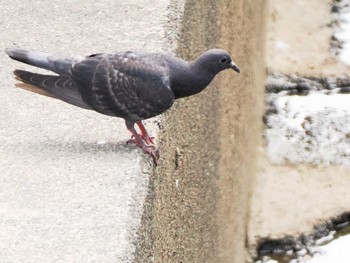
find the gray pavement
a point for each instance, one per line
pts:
(70, 189)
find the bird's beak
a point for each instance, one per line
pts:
(234, 67)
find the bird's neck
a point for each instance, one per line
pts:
(191, 80)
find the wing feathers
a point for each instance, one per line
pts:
(34, 89)
(52, 86)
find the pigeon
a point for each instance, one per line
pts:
(132, 85)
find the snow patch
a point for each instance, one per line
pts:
(343, 34)
(312, 129)
(336, 251)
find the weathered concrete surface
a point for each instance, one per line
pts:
(304, 47)
(198, 202)
(70, 189)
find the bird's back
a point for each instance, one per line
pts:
(130, 85)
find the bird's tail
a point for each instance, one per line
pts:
(58, 87)
(57, 64)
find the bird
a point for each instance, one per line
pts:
(133, 85)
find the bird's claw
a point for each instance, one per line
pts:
(147, 146)
(153, 151)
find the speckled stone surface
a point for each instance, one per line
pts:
(70, 189)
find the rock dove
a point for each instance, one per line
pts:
(131, 85)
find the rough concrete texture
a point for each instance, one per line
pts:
(305, 47)
(301, 196)
(198, 202)
(71, 190)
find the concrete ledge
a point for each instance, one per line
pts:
(72, 191)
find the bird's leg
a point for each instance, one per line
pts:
(144, 134)
(145, 145)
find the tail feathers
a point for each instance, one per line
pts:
(59, 65)
(57, 87)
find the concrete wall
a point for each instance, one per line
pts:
(197, 206)
(72, 190)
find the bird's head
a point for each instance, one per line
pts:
(216, 60)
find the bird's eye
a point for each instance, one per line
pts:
(223, 60)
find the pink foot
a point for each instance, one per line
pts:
(145, 142)
(148, 140)
(152, 150)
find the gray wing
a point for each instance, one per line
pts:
(129, 85)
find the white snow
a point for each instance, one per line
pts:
(294, 109)
(336, 251)
(310, 129)
(344, 35)
(266, 260)
(315, 102)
